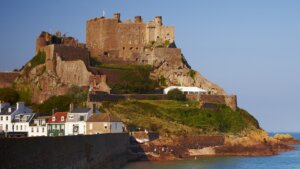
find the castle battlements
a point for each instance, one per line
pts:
(111, 38)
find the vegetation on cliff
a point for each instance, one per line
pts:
(9, 95)
(133, 79)
(75, 95)
(181, 117)
(176, 94)
(39, 58)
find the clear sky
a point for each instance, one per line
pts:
(250, 48)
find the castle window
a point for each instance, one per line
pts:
(131, 48)
(123, 48)
(137, 48)
(157, 37)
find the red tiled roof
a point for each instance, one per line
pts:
(58, 118)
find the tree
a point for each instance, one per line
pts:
(9, 95)
(57, 103)
(78, 95)
(176, 94)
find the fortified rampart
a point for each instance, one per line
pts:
(46, 39)
(111, 38)
(7, 78)
(229, 100)
(105, 151)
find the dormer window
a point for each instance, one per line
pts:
(62, 118)
(71, 116)
(53, 118)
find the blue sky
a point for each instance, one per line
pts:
(250, 48)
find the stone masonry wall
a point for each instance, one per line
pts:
(7, 78)
(105, 151)
(109, 39)
(228, 100)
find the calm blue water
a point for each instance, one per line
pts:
(288, 160)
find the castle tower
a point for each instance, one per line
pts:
(117, 16)
(137, 19)
(158, 20)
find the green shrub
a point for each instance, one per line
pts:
(176, 94)
(25, 94)
(9, 95)
(39, 58)
(192, 73)
(162, 81)
(167, 43)
(94, 62)
(56, 103)
(136, 80)
(78, 95)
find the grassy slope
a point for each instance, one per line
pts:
(177, 117)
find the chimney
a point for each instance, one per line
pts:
(93, 108)
(71, 106)
(20, 106)
(117, 16)
(137, 19)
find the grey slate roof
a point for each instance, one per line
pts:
(4, 111)
(80, 110)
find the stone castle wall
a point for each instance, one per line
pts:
(228, 100)
(7, 78)
(116, 40)
(105, 151)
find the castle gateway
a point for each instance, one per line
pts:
(111, 39)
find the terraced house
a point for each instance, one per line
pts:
(14, 120)
(57, 123)
(76, 121)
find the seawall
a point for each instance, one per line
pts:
(105, 151)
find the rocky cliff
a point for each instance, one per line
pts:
(53, 70)
(170, 64)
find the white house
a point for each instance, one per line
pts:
(20, 124)
(39, 126)
(186, 90)
(8, 114)
(76, 120)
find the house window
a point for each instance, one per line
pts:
(1, 118)
(62, 118)
(17, 127)
(81, 118)
(105, 125)
(37, 129)
(43, 129)
(6, 118)
(32, 130)
(116, 125)
(21, 127)
(6, 127)
(53, 118)
(91, 126)
(71, 116)
(62, 127)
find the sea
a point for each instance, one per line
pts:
(286, 160)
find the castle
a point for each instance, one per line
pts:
(110, 39)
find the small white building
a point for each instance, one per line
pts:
(186, 90)
(8, 114)
(39, 126)
(20, 124)
(76, 120)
